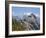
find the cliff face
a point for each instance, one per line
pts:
(30, 22)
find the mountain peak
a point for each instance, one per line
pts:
(33, 15)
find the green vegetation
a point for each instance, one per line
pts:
(17, 26)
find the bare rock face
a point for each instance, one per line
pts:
(30, 22)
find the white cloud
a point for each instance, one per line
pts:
(27, 13)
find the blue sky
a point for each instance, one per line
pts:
(19, 11)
